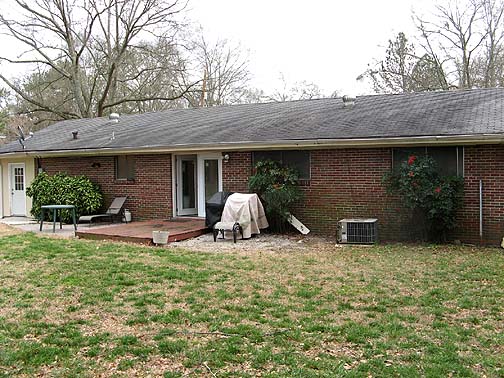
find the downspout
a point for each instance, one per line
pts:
(481, 211)
(1, 191)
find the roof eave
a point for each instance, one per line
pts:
(283, 144)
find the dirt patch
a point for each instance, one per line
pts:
(6, 230)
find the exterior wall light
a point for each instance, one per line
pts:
(226, 158)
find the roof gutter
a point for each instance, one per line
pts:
(286, 144)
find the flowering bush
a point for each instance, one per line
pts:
(418, 182)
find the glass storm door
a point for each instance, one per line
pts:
(211, 167)
(187, 201)
(17, 187)
(209, 178)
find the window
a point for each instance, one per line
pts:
(125, 167)
(299, 160)
(450, 160)
(18, 178)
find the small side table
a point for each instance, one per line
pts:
(55, 209)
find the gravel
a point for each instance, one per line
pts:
(261, 242)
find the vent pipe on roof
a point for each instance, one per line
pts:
(348, 101)
(74, 134)
(114, 117)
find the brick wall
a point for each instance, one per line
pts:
(485, 163)
(346, 183)
(149, 195)
(236, 172)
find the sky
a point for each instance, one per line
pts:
(326, 42)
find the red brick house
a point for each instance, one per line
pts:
(168, 163)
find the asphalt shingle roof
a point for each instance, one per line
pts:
(467, 112)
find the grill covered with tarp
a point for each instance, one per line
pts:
(248, 211)
(214, 207)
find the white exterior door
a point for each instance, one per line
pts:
(197, 178)
(187, 179)
(17, 189)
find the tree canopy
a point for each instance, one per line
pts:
(91, 57)
(459, 45)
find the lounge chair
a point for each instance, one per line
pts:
(115, 210)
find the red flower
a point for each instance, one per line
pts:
(437, 190)
(411, 159)
(411, 174)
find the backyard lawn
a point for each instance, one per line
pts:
(72, 308)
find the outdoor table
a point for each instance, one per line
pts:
(55, 209)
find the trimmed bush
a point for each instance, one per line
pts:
(62, 189)
(278, 188)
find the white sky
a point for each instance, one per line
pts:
(327, 42)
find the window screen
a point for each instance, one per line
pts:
(125, 167)
(298, 160)
(450, 160)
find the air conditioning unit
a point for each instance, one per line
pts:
(358, 231)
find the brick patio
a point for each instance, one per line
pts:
(141, 232)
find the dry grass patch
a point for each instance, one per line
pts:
(6, 230)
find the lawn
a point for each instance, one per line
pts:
(71, 308)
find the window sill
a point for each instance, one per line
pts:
(124, 181)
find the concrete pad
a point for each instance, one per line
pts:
(66, 232)
(13, 221)
(28, 224)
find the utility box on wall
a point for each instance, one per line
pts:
(358, 231)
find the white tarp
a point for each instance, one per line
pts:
(246, 209)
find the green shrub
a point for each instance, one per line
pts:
(62, 189)
(421, 188)
(278, 188)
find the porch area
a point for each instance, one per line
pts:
(141, 232)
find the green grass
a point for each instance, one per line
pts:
(85, 309)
